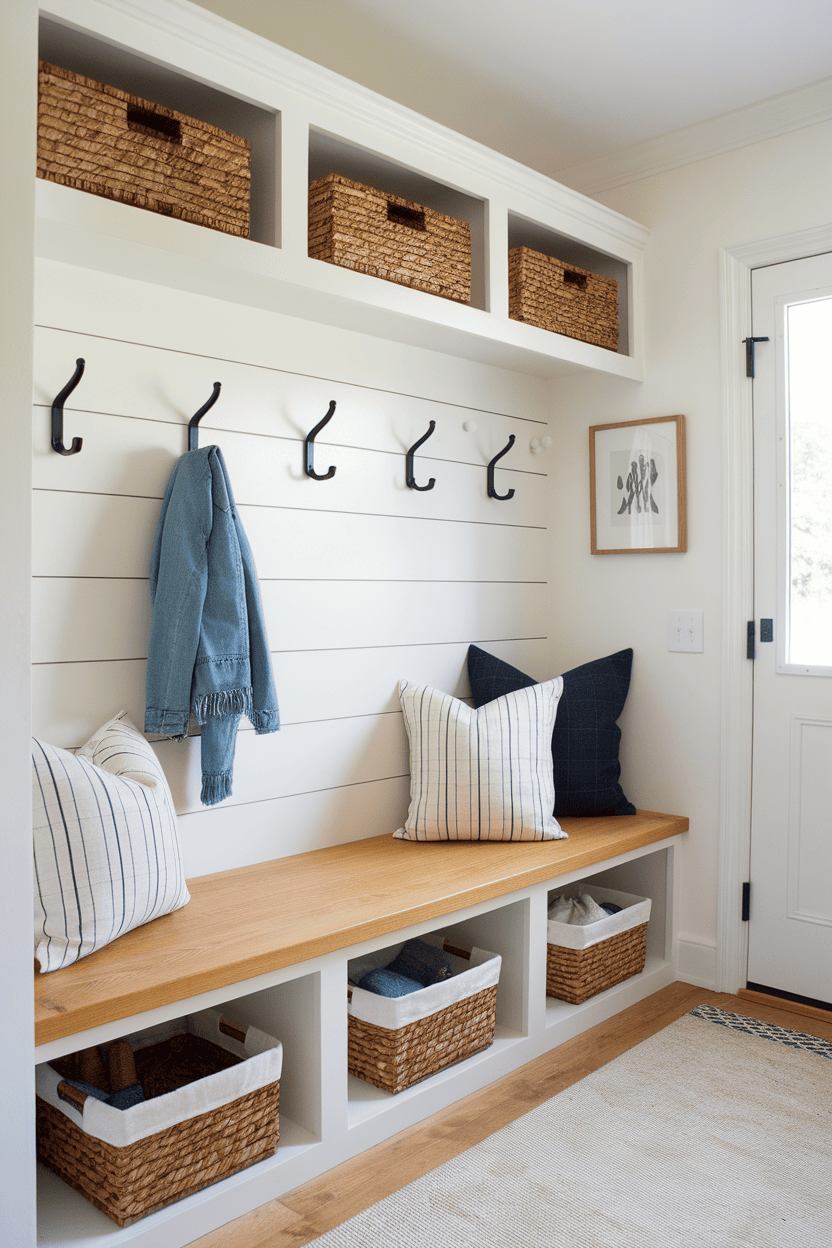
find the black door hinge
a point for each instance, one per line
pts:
(746, 902)
(749, 354)
(750, 633)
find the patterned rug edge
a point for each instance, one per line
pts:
(765, 1031)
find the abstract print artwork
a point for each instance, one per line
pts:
(637, 486)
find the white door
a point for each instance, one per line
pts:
(790, 929)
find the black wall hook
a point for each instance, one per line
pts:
(308, 443)
(411, 480)
(193, 436)
(492, 493)
(58, 415)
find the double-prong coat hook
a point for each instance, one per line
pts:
(411, 480)
(309, 465)
(193, 436)
(492, 493)
(58, 415)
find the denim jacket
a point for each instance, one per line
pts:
(208, 654)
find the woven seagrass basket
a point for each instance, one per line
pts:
(128, 1178)
(562, 298)
(102, 140)
(406, 1039)
(360, 228)
(583, 961)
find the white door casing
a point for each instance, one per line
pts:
(790, 929)
(736, 265)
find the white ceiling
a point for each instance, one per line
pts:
(556, 83)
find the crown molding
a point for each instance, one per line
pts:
(324, 90)
(794, 110)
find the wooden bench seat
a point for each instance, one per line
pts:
(253, 920)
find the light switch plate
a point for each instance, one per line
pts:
(685, 631)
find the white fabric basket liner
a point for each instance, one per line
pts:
(469, 977)
(634, 912)
(262, 1064)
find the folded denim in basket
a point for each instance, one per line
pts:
(468, 977)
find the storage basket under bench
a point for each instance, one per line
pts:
(131, 1162)
(582, 961)
(394, 1042)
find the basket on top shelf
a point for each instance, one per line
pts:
(210, 1108)
(393, 1042)
(562, 298)
(102, 140)
(360, 228)
(583, 961)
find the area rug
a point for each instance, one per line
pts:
(715, 1133)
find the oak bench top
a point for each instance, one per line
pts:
(252, 920)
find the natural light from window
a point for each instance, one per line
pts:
(808, 339)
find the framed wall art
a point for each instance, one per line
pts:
(637, 487)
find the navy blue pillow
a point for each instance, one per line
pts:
(586, 737)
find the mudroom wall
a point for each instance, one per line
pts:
(364, 581)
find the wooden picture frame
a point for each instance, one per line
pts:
(637, 487)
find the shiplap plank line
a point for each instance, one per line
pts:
(290, 825)
(70, 701)
(85, 619)
(300, 758)
(73, 536)
(102, 308)
(268, 472)
(126, 455)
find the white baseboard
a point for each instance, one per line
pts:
(697, 964)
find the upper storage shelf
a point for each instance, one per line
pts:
(303, 122)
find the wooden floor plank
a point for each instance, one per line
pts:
(341, 1193)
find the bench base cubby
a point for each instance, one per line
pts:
(328, 1116)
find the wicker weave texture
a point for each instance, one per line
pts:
(574, 975)
(360, 228)
(396, 1059)
(128, 1183)
(104, 141)
(562, 298)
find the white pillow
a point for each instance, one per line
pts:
(481, 775)
(107, 856)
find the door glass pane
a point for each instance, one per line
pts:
(808, 339)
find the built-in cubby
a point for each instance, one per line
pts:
(327, 1115)
(523, 232)
(304, 122)
(78, 50)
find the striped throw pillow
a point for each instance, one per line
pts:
(481, 775)
(107, 855)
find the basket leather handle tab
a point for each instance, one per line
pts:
(229, 1028)
(157, 125)
(400, 214)
(456, 949)
(73, 1096)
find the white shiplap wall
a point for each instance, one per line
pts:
(363, 580)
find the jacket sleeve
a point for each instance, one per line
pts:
(178, 582)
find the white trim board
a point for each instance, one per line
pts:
(736, 264)
(806, 106)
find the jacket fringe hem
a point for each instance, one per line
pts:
(222, 704)
(216, 786)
